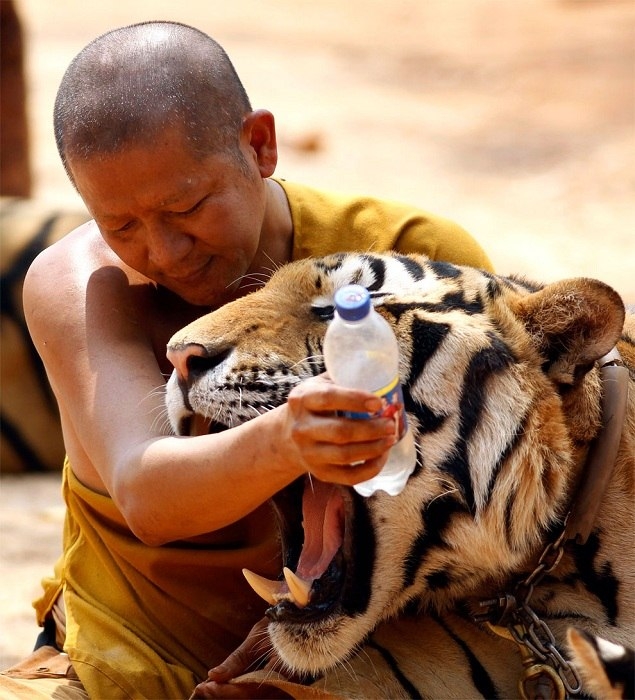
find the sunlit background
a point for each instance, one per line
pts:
(516, 119)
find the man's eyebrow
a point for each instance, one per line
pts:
(175, 198)
(169, 201)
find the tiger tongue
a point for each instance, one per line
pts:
(323, 523)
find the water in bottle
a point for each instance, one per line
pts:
(361, 352)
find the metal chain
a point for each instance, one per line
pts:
(523, 624)
(534, 634)
(549, 560)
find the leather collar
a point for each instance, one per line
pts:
(600, 461)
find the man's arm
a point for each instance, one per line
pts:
(89, 321)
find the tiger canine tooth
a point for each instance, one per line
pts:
(270, 591)
(299, 588)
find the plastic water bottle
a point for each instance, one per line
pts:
(361, 352)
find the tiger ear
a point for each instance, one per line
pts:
(572, 323)
(607, 670)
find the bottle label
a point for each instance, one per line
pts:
(392, 407)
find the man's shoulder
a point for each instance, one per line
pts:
(63, 271)
(80, 253)
(310, 204)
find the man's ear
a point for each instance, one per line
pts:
(258, 135)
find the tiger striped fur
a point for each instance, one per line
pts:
(503, 394)
(30, 431)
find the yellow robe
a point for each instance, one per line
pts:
(148, 622)
(325, 222)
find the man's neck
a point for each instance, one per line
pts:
(276, 240)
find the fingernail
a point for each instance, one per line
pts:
(372, 405)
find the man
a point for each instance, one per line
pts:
(157, 134)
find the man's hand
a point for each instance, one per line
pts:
(252, 654)
(255, 652)
(329, 446)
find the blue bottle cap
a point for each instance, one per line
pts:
(352, 302)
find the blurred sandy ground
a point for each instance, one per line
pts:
(516, 119)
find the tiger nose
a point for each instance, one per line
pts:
(184, 357)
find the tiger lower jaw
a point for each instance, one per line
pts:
(321, 606)
(316, 648)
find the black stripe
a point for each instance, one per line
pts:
(427, 337)
(20, 445)
(403, 681)
(428, 421)
(415, 269)
(598, 578)
(458, 467)
(452, 301)
(438, 580)
(515, 281)
(330, 263)
(504, 456)
(314, 351)
(509, 509)
(357, 589)
(436, 517)
(494, 289)
(445, 270)
(490, 360)
(481, 678)
(456, 301)
(378, 268)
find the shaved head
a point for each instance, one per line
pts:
(126, 86)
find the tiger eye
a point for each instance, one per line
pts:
(324, 313)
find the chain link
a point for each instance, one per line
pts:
(534, 634)
(524, 626)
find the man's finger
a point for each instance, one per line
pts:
(247, 657)
(250, 691)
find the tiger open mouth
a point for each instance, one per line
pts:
(197, 424)
(317, 523)
(327, 548)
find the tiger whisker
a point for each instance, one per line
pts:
(158, 392)
(161, 422)
(258, 278)
(364, 651)
(348, 668)
(255, 283)
(443, 494)
(310, 358)
(276, 265)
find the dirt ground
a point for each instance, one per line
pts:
(516, 119)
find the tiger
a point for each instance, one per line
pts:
(30, 430)
(467, 583)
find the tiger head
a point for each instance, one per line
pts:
(502, 397)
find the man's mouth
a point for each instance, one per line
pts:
(192, 275)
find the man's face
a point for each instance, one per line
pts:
(191, 224)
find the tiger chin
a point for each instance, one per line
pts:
(503, 393)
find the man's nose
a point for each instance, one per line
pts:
(167, 246)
